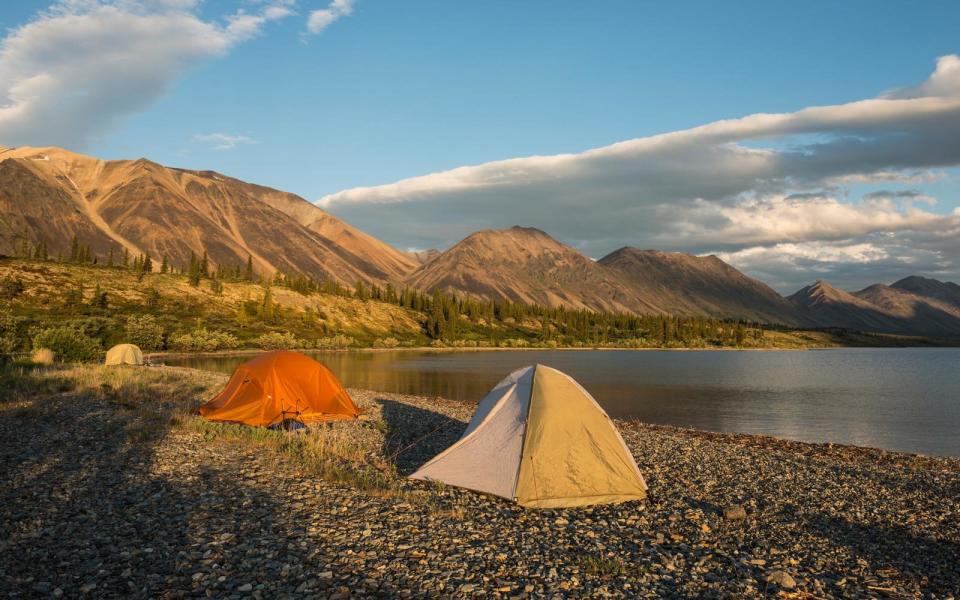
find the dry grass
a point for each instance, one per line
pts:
(346, 452)
(46, 281)
(42, 356)
(147, 402)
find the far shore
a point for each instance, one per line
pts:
(254, 351)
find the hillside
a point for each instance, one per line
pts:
(925, 287)
(685, 284)
(523, 264)
(878, 308)
(917, 313)
(179, 307)
(51, 194)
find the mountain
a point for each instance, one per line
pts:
(148, 208)
(684, 284)
(826, 306)
(879, 308)
(523, 264)
(930, 288)
(422, 257)
(526, 265)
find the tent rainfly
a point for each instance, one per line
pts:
(280, 388)
(124, 354)
(540, 439)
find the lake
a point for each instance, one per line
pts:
(905, 399)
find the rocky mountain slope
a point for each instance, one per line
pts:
(930, 288)
(880, 308)
(526, 265)
(523, 264)
(148, 208)
(685, 284)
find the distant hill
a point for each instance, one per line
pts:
(930, 288)
(685, 284)
(523, 264)
(879, 308)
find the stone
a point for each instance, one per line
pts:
(735, 512)
(783, 579)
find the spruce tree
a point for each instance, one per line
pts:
(248, 274)
(193, 274)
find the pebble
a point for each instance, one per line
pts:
(783, 579)
(735, 512)
(86, 510)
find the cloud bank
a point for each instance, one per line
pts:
(768, 191)
(82, 66)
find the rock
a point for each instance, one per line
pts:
(783, 579)
(735, 512)
(247, 587)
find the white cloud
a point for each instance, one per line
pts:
(82, 66)
(323, 18)
(756, 181)
(223, 141)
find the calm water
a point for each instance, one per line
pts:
(898, 399)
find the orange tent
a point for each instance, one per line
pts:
(279, 386)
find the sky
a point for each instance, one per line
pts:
(797, 141)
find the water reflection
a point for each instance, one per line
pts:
(900, 399)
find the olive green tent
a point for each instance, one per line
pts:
(539, 439)
(124, 354)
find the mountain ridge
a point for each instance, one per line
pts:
(53, 194)
(164, 211)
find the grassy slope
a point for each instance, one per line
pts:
(181, 305)
(182, 308)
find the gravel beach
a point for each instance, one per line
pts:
(104, 497)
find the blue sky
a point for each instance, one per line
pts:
(393, 90)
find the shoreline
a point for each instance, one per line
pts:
(146, 500)
(424, 349)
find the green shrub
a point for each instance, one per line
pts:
(336, 341)
(204, 340)
(276, 340)
(10, 334)
(11, 287)
(144, 331)
(387, 342)
(69, 344)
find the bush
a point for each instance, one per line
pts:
(204, 340)
(68, 344)
(336, 341)
(145, 332)
(276, 340)
(10, 334)
(42, 356)
(11, 287)
(387, 342)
